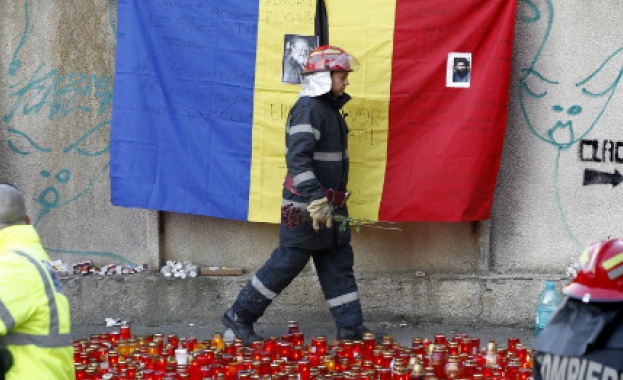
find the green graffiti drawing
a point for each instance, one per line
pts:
(58, 95)
(561, 123)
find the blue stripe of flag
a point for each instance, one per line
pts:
(183, 106)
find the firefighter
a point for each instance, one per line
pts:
(584, 338)
(34, 313)
(315, 191)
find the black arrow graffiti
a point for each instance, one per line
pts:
(595, 177)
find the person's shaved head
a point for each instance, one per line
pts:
(12, 206)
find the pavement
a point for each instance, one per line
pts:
(402, 333)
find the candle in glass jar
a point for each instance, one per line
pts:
(298, 339)
(512, 344)
(293, 326)
(524, 374)
(313, 358)
(475, 345)
(285, 350)
(297, 353)
(124, 331)
(440, 339)
(369, 343)
(113, 358)
(400, 373)
(174, 340)
(319, 345)
(303, 369)
(328, 361)
(384, 374)
(231, 372)
(181, 356)
(521, 352)
(270, 346)
(114, 337)
(217, 341)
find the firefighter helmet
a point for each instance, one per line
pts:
(329, 58)
(599, 277)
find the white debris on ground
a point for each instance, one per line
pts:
(172, 269)
(87, 267)
(176, 269)
(112, 322)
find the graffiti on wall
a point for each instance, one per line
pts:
(48, 93)
(544, 100)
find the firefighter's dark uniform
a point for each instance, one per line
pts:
(318, 164)
(581, 341)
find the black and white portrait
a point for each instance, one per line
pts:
(296, 48)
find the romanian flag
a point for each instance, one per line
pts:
(199, 110)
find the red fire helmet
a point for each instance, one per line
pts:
(599, 277)
(329, 58)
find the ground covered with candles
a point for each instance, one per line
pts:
(122, 353)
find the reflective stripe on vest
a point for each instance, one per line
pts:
(54, 337)
(6, 317)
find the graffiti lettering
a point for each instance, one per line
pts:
(364, 116)
(184, 44)
(560, 367)
(362, 135)
(185, 5)
(61, 94)
(233, 13)
(291, 3)
(41, 90)
(606, 151)
(285, 17)
(279, 111)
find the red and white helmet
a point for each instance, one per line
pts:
(599, 277)
(329, 58)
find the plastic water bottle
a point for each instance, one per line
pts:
(549, 300)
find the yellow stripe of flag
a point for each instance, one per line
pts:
(271, 103)
(367, 33)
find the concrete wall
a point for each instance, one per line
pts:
(547, 205)
(56, 85)
(56, 91)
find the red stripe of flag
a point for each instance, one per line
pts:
(445, 143)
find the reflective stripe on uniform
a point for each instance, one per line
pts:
(302, 177)
(48, 341)
(343, 299)
(303, 128)
(257, 284)
(328, 156)
(54, 338)
(55, 327)
(6, 317)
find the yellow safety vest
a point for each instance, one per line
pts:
(35, 322)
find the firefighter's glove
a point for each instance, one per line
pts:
(320, 212)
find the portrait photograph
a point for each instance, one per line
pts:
(296, 48)
(459, 70)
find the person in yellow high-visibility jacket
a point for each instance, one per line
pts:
(35, 324)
